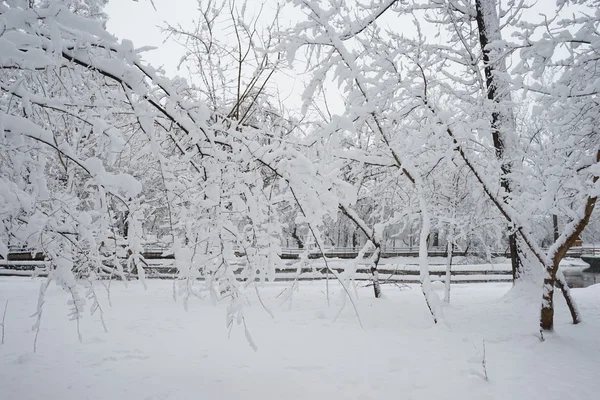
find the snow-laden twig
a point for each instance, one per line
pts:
(262, 303)
(3, 324)
(39, 310)
(484, 362)
(92, 295)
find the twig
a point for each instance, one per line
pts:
(400, 285)
(483, 363)
(3, 319)
(40, 310)
(262, 303)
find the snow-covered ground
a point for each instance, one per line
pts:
(154, 349)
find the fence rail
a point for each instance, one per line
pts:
(389, 252)
(389, 273)
(153, 251)
(386, 274)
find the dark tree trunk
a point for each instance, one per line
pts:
(547, 310)
(514, 256)
(485, 37)
(375, 272)
(562, 285)
(297, 238)
(370, 234)
(554, 276)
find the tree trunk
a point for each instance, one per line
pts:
(375, 272)
(547, 310)
(561, 283)
(435, 239)
(375, 240)
(515, 260)
(503, 121)
(431, 298)
(450, 249)
(297, 238)
(556, 278)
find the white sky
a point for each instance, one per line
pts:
(139, 22)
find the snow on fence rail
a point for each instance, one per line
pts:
(162, 268)
(24, 262)
(404, 274)
(157, 251)
(388, 252)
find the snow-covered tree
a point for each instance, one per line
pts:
(101, 151)
(423, 98)
(72, 98)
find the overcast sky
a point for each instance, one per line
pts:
(140, 22)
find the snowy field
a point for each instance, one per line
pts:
(154, 349)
